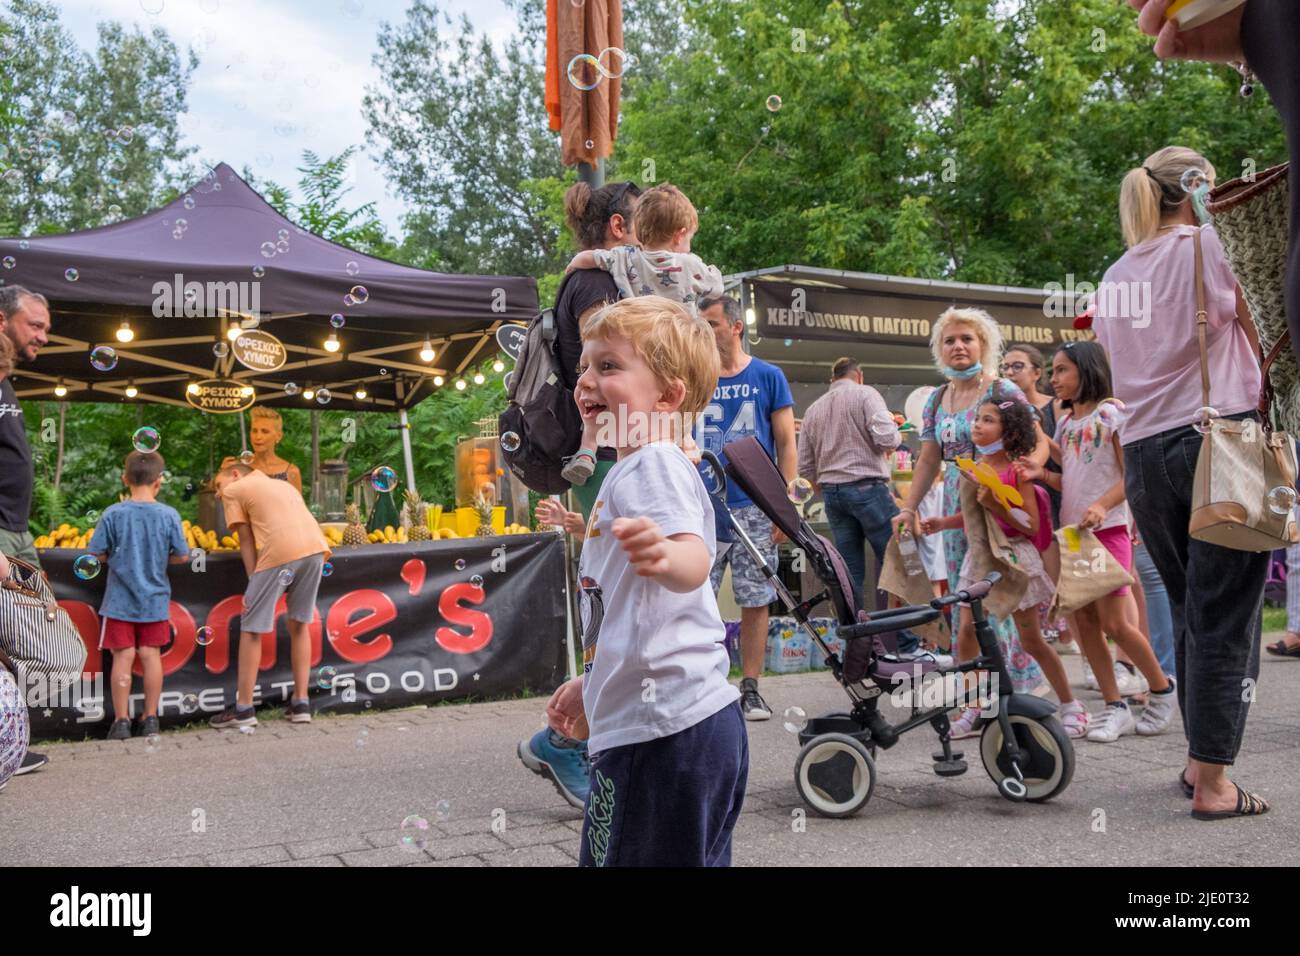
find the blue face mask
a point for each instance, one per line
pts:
(963, 374)
(992, 449)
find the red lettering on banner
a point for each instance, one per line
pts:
(479, 623)
(217, 654)
(344, 631)
(413, 574)
(87, 623)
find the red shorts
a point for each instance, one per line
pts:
(1116, 540)
(120, 635)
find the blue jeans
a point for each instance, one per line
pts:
(1216, 594)
(1160, 620)
(859, 513)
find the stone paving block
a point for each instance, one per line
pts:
(385, 856)
(327, 846)
(472, 844)
(533, 836)
(543, 855)
(251, 856)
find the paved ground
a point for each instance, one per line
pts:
(334, 793)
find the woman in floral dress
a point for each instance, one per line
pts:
(967, 346)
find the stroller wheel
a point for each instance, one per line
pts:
(1049, 757)
(835, 775)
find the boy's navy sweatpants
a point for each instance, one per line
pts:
(673, 801)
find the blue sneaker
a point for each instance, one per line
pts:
(569, 768)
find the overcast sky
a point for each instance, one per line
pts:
(276, 77)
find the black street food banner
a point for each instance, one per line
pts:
(395, 625)
(792, 311)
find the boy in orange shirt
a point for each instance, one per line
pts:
(283, 551)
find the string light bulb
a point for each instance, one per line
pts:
(427, 353)
(332, 344)
(131, 390)
(124, 332)
(232, 332)
(437, 381)
(460, 385)
(60, 390)
(193, 388)
(309, 393)
(498, 366)
(361, 393)
(478, 378)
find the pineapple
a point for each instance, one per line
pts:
(415, 517)
(483, 505)
(355, 533)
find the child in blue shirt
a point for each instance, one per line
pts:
(138, 537)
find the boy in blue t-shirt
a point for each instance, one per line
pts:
(139, 537)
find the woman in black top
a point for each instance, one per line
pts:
(599, 219)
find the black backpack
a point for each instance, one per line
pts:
(541, 427)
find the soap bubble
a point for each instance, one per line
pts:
(268, 249)
(246, 457)
(584, 71)
(86, 567)
(151, 6)
(590, 144)
(353, 268)
(442, 810)
(188, 202)
(882, 424)
(259, 271)
(203, 636)
(337, 320)
(800, 490)
(359, 294)
(477, 581)
(291, 389)
(460, 564)
(510, 442)
(1203, 416)
(92, 517)
(103, 358)
(9, 262)
(189, 703)
(1192, 179)
(794, 719)
(285, 576)
(282, 235)
(414, 833)
(383, 479)
(325, 676)
(72, 275)
(282, 246)
(326, 569)
(612, 62)
(774, 103)
(146, 439)
(1281, 499)
(348, 300)
(323, 396)
(220, 349)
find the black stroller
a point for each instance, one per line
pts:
(1024, 748)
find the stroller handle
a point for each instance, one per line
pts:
(975, 592)
(719, 476)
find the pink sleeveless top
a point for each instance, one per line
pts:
(1043, 539)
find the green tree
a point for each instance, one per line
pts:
(965, 139)
(91, 136)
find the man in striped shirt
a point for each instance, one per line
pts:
(845, 442)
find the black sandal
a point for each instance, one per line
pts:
(1189, 790)
(1283, 649)
(1248, 805)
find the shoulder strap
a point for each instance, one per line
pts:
(1202, 319)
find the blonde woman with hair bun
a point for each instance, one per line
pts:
(1215, 594)
(967, 349)
(264, 433)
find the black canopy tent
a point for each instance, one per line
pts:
(220, 256)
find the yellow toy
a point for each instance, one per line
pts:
(982, 473)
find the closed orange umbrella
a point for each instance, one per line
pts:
(584, 116)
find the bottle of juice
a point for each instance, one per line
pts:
(912, 562)
(1191, 14)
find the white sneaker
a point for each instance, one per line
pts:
(1075, 718)
(1130, 684)
(1089, 678)
(1158, 713)
(1112, 724)
(922, 654)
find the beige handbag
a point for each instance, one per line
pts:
(1089, 573)
(911, 589)
(989, 550)
(1243, 493)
